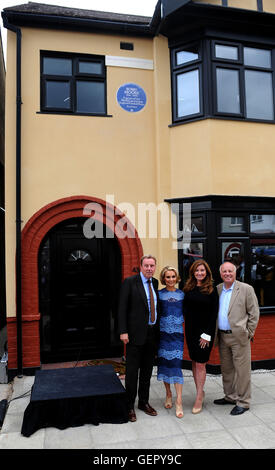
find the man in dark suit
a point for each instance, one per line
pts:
(139, 329)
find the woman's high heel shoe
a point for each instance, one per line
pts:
(179, 411)
(195, 411)
(168, 403)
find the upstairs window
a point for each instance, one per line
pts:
(74, 84)
(187, 77)
(218, 78)
(243, 78)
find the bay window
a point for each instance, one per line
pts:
(222, 79)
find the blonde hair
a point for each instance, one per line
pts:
(164, 271)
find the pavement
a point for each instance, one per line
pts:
(213, 428)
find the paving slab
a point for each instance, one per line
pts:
(213, 428)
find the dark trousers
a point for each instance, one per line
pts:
(139, 360)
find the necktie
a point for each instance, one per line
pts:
(152, 302)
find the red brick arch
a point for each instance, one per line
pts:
(32, 235)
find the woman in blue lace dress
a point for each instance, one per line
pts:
(170, 353)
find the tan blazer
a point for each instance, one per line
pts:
(243, 312)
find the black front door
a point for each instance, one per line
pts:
(79, 285)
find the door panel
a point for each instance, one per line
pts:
(84, 282)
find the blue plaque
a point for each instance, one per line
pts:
(131, 97)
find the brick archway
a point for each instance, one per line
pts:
(32, 235)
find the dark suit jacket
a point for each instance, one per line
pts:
(133, 310)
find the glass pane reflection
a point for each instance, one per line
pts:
(188, 93)
(188, 55)
(90, 67)
(262, 223)
(191, 253)
(58, 95)
(57, 66)
(262, 272)
(196, 224)
(228, 95)
(226, 52)
(257, 57)
(232, 224)
(234, 251)
(259, 95)
(90, 97)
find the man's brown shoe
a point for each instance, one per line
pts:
(147, 409)
(132, 416)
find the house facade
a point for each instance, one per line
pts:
(128, 135)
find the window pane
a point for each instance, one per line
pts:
(188, 93)
(58, 95)
(262, 223)
(234, 251)
(190, 254)
(56, 66)
(226, 52)
(90, 67)
(257, 57)
(263, 272)
(90, 97)
(228, 94)
(187, 55)
(196, 224)
(259, 95)
(232, 224)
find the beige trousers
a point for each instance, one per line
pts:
(236, 369)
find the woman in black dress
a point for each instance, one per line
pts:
(201, 306)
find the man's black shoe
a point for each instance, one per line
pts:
(238, 410)
(223, 401)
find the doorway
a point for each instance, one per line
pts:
(79, 282)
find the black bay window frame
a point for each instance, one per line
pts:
(239, 65)
(211, 209)
(72, 81)
(209, 63)
(176, 70)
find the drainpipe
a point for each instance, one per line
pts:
(18, 195)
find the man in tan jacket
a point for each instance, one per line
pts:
(237, 321)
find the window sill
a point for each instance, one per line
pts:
(56, 113)
(224, 118)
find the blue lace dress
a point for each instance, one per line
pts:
(170, 360)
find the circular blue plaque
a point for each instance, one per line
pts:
(131, 97)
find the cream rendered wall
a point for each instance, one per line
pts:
(245, 4)
(167, 252)
(78, 155)
(77, 151)
(222, 157)
(269, 6)
(210, 2)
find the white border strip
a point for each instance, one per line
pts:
(134, 63)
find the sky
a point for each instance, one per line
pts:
(132, 7)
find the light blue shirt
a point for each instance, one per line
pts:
(146, 287)
(225, 298)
